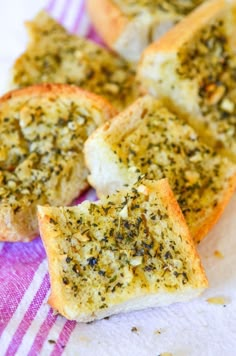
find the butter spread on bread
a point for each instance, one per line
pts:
(149, 140)
(131, 250)
(193, 68)
(132, 25)
(56, 56)
(42, 133)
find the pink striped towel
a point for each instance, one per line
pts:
(29, 327)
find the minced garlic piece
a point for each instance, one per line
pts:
(218, 254)
(218, 300)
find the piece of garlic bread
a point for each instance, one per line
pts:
(149, 140)
(42, 133)
(132, 25)
(54, 55)
(131, 250)
(193, 68)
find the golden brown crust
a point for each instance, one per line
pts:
(60, 89)
(175, 212)
(203, 230)
(180, 33)
(52, 256)
(107, 18)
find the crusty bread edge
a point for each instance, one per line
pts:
(126, 35)
(122, 124)
(167, 195)
(61, 89)
(217, 212)
(52, 256)
(107, 19)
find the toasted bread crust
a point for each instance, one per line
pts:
(49, 89)
(18, 220)
(128, 298)
(209, 222)
(109, 27)
(43, 221)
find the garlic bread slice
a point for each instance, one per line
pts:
(193, 69)
(129, 251)
(42, 132)
(54, 55)
(149, 140)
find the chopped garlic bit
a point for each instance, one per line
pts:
(81, 237)
(218, 254)
(218, 300)
(143, 190)
(136, 261)
(227, 105)
(124, 212)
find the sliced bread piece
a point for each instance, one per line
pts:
(149, 140)
(54, 55)
(129, 251)
(193, 68)
(132, 25)
(42, 133)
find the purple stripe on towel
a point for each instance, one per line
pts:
(50, 5)
(42, 334)
(80, 14)
(29, 316)
(92, 35)
(64, 10)
(18, 263)
(63, 338)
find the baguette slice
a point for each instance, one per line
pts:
(54, 55)
(193, 68)
(132, 25)
(129, 251)
(149, 140)
(42, 133)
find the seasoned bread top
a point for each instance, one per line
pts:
(193, 68)
(42, 132)
(55, 56)
(148, 139)
(127, 246)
